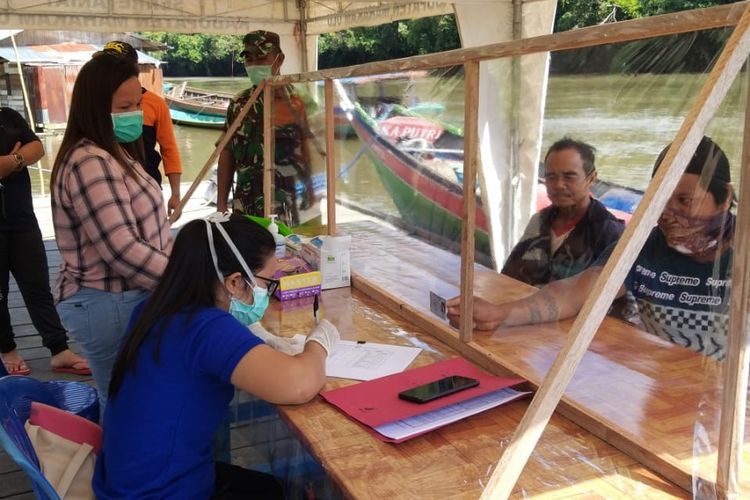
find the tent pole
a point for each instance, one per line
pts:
(26, 102)
(268, 166)
(330, 159)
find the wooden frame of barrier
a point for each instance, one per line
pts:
(548, 397)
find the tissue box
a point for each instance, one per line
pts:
(296, 279)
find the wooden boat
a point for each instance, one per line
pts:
(196, 120)
(197, 107)
(421, 167)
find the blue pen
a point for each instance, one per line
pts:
(315, 308)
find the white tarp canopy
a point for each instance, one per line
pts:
(511, 92)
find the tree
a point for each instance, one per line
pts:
(693, 52)
(388, 41)
(199, 54)
(573, 14)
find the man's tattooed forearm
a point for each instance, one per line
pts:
(535, 316)
(553, 312)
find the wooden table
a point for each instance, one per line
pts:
(654, 400)
(455, 461)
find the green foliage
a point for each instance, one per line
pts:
(692, 52)
(388, 41)
(656, 7)
(217, 55)
(199, 54)
(573, 14)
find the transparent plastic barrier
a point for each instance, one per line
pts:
(630, 380)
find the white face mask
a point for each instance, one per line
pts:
(258, 73)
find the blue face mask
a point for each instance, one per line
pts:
(247, 314)
(127, 126)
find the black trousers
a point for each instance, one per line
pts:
(235, 482)
(22, 253)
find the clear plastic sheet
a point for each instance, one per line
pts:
(399, 168)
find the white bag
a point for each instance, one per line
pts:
(66, 447)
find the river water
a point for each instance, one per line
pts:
(627, 118)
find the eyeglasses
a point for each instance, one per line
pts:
(271, 284)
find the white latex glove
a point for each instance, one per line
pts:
(326, 335)
(287, 345)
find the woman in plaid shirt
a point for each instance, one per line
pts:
(110, 222)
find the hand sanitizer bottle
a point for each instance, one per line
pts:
(280, 241)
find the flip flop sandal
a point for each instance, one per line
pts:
(19, 368)
(73, 370)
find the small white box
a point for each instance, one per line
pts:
(335, 266)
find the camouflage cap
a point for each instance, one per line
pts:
(122, 49)
(260, 43)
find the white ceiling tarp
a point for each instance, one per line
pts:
(212, 16)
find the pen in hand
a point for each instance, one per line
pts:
(315, 309)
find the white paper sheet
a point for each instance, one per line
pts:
(366, 361)
(437, 418)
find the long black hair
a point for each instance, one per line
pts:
(190, 282)
(90, 111)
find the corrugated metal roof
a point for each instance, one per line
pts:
(8, 33)
(62, 53)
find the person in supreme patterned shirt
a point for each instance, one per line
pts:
(110, 223)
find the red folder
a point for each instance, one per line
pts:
(376, 402)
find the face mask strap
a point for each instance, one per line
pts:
(211, 247)
(236, 252)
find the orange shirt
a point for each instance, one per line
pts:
(156, 115)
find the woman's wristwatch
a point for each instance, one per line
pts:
(20, 162)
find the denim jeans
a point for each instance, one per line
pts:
(98, 321)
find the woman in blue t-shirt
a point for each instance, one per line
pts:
(188, 347)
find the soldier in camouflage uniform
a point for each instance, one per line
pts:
(244, 152)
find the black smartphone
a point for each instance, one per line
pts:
(438, 389)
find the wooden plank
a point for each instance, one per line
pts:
(625, 31)
(732, 428)
(330, 159)
(7, 465)
(727, 67)
(223, 141)
(14, 483)
(268, 145)
(471, 141)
